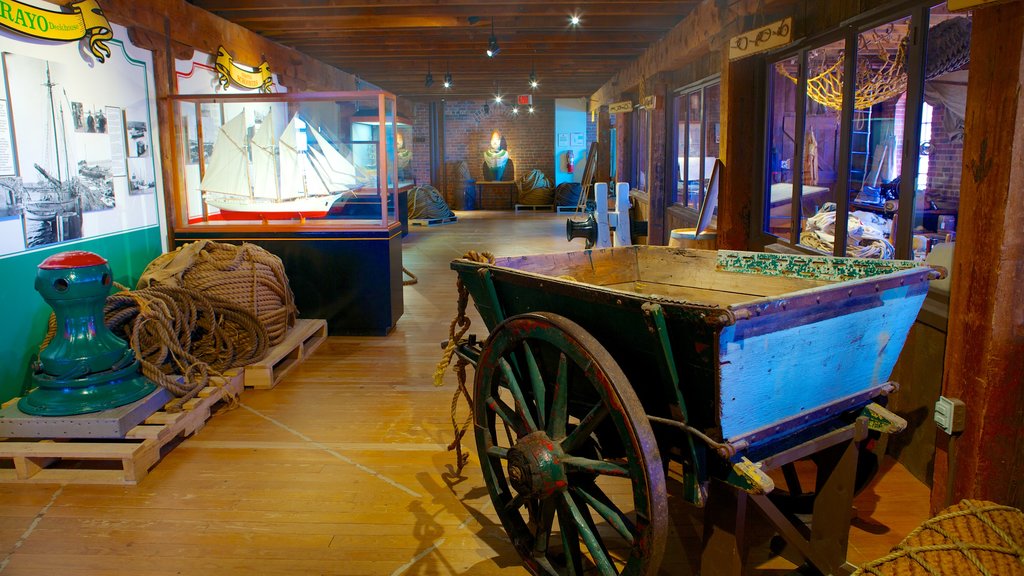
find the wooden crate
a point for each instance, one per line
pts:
(301, 341)
(124, 461)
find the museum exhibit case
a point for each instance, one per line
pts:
(311, 177)
(366, 128)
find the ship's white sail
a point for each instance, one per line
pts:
(300, 178)
(338, 171)
(264, 160)
(292, 185)
(227, 172)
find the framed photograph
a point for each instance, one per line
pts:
(563, 140)
(578, 141)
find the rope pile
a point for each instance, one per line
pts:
(247, 275)
(568, 194)
(456, 330)
(535, 189)
(970, 539)
(426, 203)
(949, 47)
(864, 239)
(181, 337)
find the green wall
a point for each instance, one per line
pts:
(25, 313)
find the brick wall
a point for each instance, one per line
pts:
(421, 145)
(529, 137)
(945, 160)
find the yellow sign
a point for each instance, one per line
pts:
(258, 78)
(85, 20)
(650, 103)
(619, 107)
(960, 5)
(764, 38)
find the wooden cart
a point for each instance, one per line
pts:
(603, 365)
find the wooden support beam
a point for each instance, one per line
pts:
(742, 151)
(985, 341)
(196, 28)
(604, 148)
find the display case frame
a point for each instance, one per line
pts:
(346, 270)
(378, 193)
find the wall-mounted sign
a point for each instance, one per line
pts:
(258, 78)
(764, 38)
(85, 20)
(619, 107)
(959, 5)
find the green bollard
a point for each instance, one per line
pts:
(86, 367)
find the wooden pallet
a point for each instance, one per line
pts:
(301, 341)
(433, 221)
(534, 207)
(125, 461)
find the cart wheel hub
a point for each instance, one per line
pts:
(535, 466)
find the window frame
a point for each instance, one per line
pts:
(682, 94)
(918, 12)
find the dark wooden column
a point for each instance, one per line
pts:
(623, 146)
(657, 166)
(604, 148)
(985, 342)
(743, 129)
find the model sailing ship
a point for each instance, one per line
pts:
(300, 177)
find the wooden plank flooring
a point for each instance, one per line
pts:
(342, 468)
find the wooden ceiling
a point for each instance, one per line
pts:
(391, 42)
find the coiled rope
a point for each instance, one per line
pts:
(426, 203)
(246, 274)
(456, 330)
(182, 338)
(973, 537)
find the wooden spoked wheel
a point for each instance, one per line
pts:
(567, 451)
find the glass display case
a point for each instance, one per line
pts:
(312, 178)
(314, 160)
(366, 128)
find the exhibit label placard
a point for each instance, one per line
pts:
(85, 20)
(252, 78)
(619, 107)
(762, 39)
(7, 163)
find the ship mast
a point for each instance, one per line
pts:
(53, 118)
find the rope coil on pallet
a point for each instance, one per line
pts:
(456, 330)
(182, 338)
(246, 274)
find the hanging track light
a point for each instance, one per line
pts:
(533, 77)
(492, 44)
(447, 76)
(429, 80)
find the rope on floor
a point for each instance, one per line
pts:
(456, 330)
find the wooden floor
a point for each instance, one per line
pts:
(342, 468)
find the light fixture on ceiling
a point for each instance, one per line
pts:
(533, 77)
(574, 20)
(531, 109)
(447, 76)
(497, 98)
(492, 43)
(515, 110)
(429, 80)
